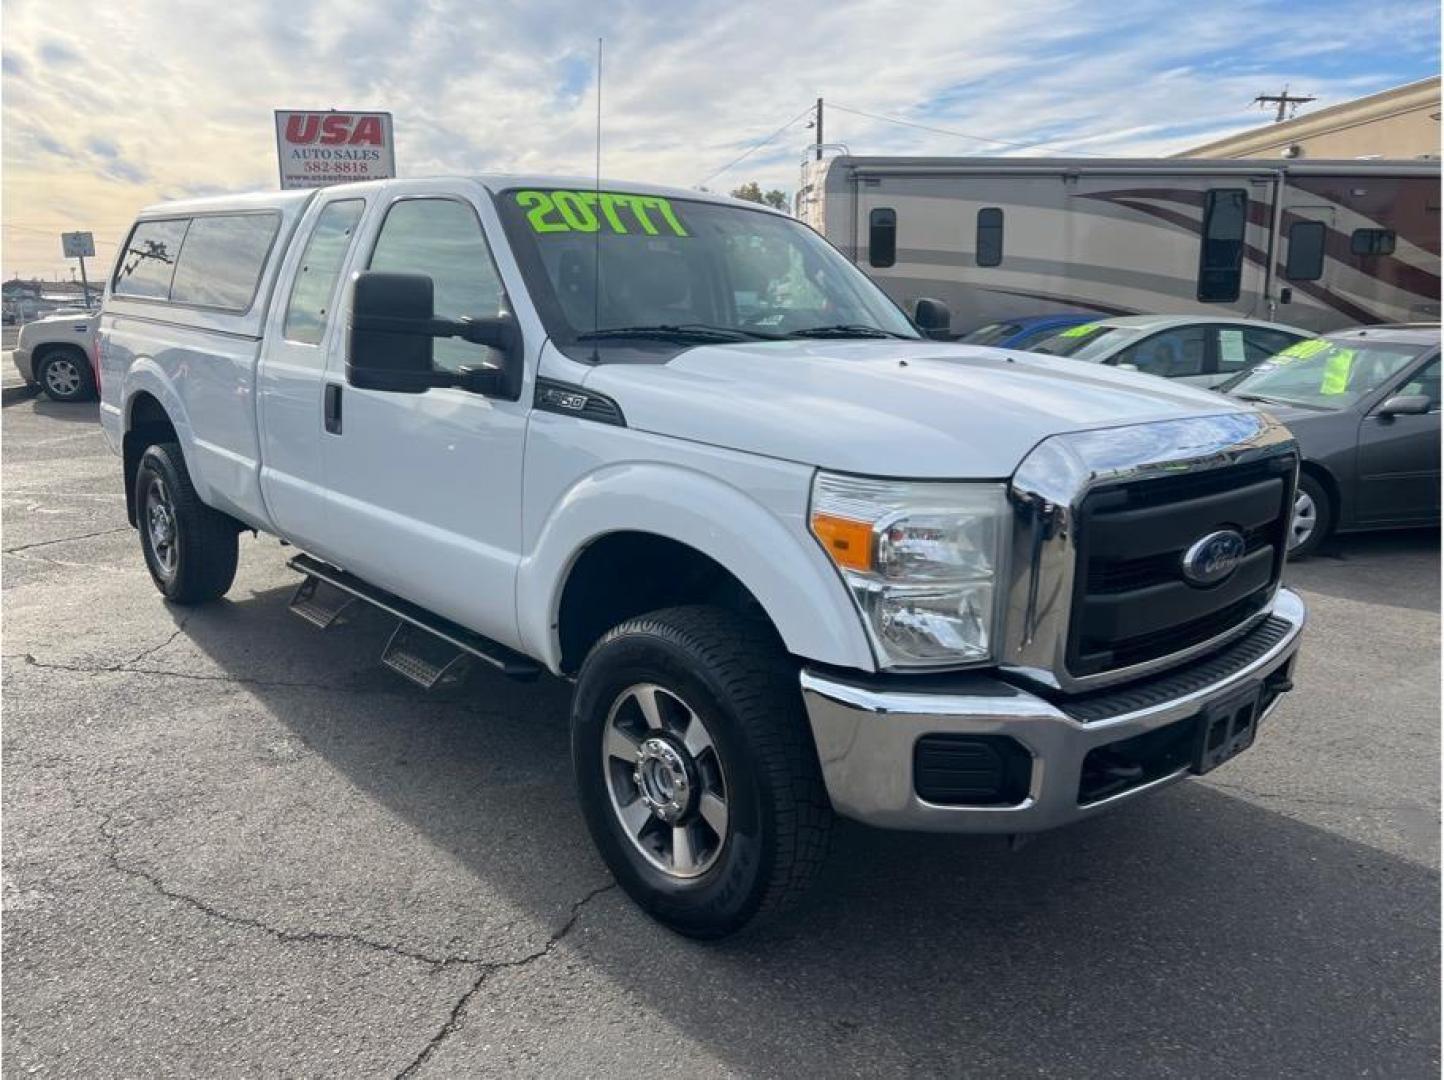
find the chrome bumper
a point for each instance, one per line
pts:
(21, 357)
(866, 734)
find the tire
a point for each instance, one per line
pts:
(1311, 504)
(731, 674)
(190, 549)
(64, 374)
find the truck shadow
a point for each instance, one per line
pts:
(1399, 568)
(1195, 928)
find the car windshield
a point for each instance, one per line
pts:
(1086, 341)
(677, 272)
(1324, 374)
(990, 334)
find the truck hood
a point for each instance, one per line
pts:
(888, 408)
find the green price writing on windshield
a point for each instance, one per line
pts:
(586, 211)
(1302, 350)
(1336, 373)
(1082, 330)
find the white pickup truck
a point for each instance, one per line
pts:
(798, 558)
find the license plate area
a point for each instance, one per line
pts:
(1226, 728)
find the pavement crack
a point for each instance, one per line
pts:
(158, 885)
(458, 1011)
(63, 540)
(1304, 800)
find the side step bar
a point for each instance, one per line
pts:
(407, 652)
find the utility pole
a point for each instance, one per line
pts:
(1286, 103)
(819, 129)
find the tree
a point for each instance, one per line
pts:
(752, 192)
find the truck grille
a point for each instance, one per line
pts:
(1131, 602)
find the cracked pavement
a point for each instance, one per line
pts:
(235, 845)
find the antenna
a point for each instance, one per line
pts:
(597, 236)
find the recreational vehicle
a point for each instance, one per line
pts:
(1319, 244)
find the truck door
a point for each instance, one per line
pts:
(425, 489)
(300, 333)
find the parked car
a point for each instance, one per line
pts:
(1364, 405)
(796, 557)
(55, 353)
(1023, 332)
(1202, 351)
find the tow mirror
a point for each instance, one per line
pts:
(1405, 405)
(933, 319)
(391, 329)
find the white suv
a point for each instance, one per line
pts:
(55, 353)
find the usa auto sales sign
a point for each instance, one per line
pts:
(320, 148)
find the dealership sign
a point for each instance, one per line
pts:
(319, 148)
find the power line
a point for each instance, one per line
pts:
(752, 150)
(955, 134)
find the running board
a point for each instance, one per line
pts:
(320, 603)
(402, 651)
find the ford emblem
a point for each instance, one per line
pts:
(1212, 558)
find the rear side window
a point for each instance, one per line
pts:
(1372, 242)
(1220, 263)
(990, 236)
(147, 264)
(221, 260)
(316, 277)
(1306, 251)
(882, 237)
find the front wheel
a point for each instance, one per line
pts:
(1313, 518)
(64, 374)
(696, 769)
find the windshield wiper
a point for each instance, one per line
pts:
(846, 330)
(681, 332)
(1281, 401)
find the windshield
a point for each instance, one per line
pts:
(677, 272)
(990, 334)
(1324, 374)
(1086, 341)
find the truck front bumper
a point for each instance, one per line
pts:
(973, 753)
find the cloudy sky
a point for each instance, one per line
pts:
(108, 107)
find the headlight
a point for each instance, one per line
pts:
(922, 561)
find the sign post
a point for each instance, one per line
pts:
(320, 148)
(77, 245)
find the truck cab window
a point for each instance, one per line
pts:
(882, 237)
(442, 238)
(990, 236)
(1220, 260)
(321, 262)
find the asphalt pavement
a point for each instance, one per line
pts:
(235, 845)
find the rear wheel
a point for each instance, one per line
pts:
(696, 769)
(190, 549)
(1313, 518)
(64, 374)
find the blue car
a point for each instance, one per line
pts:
(1024, 332)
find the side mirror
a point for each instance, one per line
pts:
(933, 319)
(390, 332)
(1405, 405)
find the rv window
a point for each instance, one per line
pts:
(1306, 251)
(147, 264)
(990, 236)
(1372, 242)
(1220, 263)
(222, 258)
(882, 237)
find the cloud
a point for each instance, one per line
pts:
(178, 101)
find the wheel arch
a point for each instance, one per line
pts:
(733, 547)
(147, 422)
(1326, 479)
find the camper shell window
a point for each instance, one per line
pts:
(1306, 251)
(990, 236)
(882, 237)
(207, 261)
(1220, 262)
(1372, 242)
(147, 262)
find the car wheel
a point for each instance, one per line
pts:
(64, 374)
(190, 549)
(1313, 518)
(696, 769)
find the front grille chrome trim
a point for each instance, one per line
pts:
(1047, 494)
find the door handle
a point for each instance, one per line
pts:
(333, 408)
